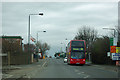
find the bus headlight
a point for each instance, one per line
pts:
(83, 59)
(71, 60)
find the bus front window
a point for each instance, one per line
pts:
(77, 55)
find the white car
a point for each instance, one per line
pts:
(65, 59)
(57, 57)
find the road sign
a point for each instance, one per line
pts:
(108, 53)
(115, 56)
(111, 41)
(115, 41)
(113, 49)
(117, 49)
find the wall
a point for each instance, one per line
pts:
(16, 59)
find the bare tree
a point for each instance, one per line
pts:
(43, 47)
(86, 33)
(89, 35)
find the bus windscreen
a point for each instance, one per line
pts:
(77, 55)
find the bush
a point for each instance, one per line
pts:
(99, 51)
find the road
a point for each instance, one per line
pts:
(56, 68)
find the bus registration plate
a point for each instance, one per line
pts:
(77, 63)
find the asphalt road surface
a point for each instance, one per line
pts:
(56, 68)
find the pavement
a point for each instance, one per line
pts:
(18, 71)
(106, 67)
(88, 63)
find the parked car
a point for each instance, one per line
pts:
(65, 59)
(57, 57)
(50, 56)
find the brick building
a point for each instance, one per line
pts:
(10, 43)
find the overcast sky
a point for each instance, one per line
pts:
(60, 20)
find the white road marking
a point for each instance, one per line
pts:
(86, 76)
(78, 73)
(43, 64)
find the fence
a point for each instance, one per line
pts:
(16, 59)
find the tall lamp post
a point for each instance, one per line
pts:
(61, 47)
(29, 32)
(115, 36)
(37, 44)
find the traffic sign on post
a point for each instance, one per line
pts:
(113, 49)
(117, 49)
(111, 41)
(115, 56)
(115, 41)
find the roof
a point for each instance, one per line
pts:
(77, 40)
(15, 37)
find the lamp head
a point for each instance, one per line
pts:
(41, 14)
(44, 31)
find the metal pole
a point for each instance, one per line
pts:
(114, 33)
(37, 42)
(36, 46)
(29, 40)
(61, 49)
(37, 37)
(29, 34)
(119, 23)
(89, 57)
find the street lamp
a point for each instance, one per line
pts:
(111, 29)
(29, 30)
(115, 35)
(37, 43)
(37, 34)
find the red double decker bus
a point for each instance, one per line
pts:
(76, 50)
